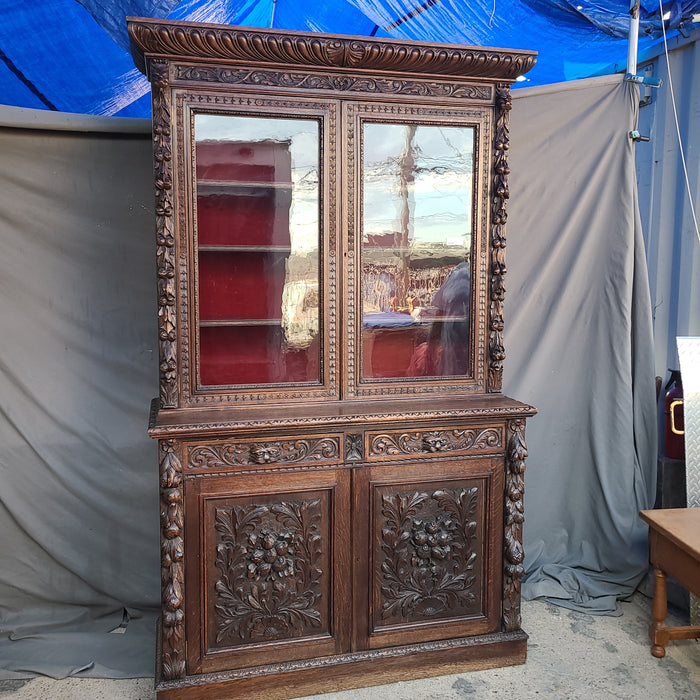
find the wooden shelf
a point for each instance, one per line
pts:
(244, 249)
(240, 188)
(230, 322)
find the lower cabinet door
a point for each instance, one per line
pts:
(428, 551)
(267, 568)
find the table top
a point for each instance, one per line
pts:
(679, 525)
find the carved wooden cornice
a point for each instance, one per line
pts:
(161, 38)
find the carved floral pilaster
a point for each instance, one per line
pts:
(513, 570)
(172, 562)
(498, 237)
(165, 237)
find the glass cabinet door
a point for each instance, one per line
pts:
(415, 249)
(257, 256)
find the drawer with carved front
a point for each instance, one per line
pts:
(251, 455)
(474, 440)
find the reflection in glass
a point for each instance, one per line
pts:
(258, 249)
(416, 243)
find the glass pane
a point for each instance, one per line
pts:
(258, 249)
(416, 243)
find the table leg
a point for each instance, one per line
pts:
(657, 633)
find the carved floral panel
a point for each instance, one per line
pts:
(268, 573)
(428, 553)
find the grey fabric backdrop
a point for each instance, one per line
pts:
(78, 494)
(579, 341)
(78, 498)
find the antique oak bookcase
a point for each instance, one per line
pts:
(341, 478)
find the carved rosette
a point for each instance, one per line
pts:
(428, 555)
(270, 571)
(498, 237)
(513, 570)
(165, 237)
(172, 562)
(242, 453)
(456, 440)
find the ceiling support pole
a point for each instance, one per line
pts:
(633, 38)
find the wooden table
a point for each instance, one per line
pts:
(674, 538)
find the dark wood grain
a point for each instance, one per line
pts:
(348, 530)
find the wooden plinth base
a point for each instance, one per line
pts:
(355, 670)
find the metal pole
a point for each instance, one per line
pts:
(633, 38)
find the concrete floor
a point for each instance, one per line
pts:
(570, 655)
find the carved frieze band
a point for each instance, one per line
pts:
(331, 422)
(165, 236)
(254, 46)
(498, 238)
(428, 554)
(337, 83)
(172, 552)
(270, 571)
(237, 454)
(389, 445)
(513, 570)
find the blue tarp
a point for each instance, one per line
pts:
(73, 56)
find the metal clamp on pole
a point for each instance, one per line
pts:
(644, 80)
